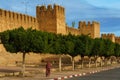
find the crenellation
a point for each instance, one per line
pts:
(49, 7)
(89, 24)
(59, 9)
(11, 20)
(84, 24)
(43, 8)
(51, 18)
(94, 22)
(0, 12)
(109, 36)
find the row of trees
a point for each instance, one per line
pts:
(25, 41)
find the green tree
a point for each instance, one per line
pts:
(23, 41)
(70, 47)
(59, 47)
(117, 50)
(109, 48)
(73, 24)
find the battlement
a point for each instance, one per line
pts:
(51, 18)
(16, 16)
(83, 24)
(90, 28)
(0, 12)
(117, 37)
(108, 35)
(72, 30)
(50, 8)
(11, 20)
(117, 40)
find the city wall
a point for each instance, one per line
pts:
(48, 18)
(10, 20)
(111, 37)
(72, 31)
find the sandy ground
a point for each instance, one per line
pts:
(6, 73)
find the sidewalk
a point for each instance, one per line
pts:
(78, 72)
(59, 75)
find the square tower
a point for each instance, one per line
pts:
(90, 29)
(51, 19)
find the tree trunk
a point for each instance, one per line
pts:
(82, 63)
(89, 65)
(101, 63)
(23, 65)
(60, 63)
(95, 63)
(73, 64)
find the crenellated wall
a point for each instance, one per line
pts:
(72, 31)
(91, 29)
(48, 18)
(10, 20)
(117, 40)
(109, 36)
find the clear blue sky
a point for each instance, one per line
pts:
(107, 12)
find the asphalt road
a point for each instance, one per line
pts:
(113, 74)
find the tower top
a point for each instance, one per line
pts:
(50, 7)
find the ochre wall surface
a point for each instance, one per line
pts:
(10, 20)
(49, 18)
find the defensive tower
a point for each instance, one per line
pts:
(51, 19)
(91, 29)
(117, 40)
(108, 36)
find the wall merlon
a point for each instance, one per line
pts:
(89, 24)
(43, 8)
(103, 34)
(59, 8)
(84, 24)
(0, 12)
(94, 22)
(108, 35)
(49, 7)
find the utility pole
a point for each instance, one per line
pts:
(25, 2)
(46, 2)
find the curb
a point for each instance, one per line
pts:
(81, 74)
(75, 75)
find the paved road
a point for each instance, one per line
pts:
(113, 74)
